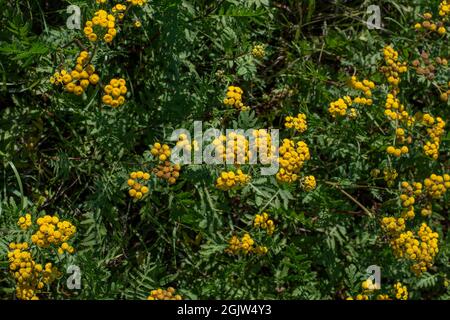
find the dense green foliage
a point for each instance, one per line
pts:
(71, 155)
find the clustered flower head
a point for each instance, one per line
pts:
(393, 67)
(162, 152)
(309, 183)
(392, 225)
(292, 158)
(298, 123)
(137, 2)
(444, 9)
(25, 222)
(138, 184)
(77, 81)
(162, 294)
(420, 249)
(434, 26)
(264, 222)
(399, 291)
(415, 193)
(390, 175)
(236, 149)
(53, 231)
(399, 139)
(395, 110)
(119, 9)
(408, 197)
(258, 51)
(339, 107)
(435, 131)
(436, 186)
(397, 152)
(234, 98)
(366, 86)
(168, 171)
(101, 24)
(369, 285)
(353, 113)
(115, 92)
(30, 276)
(185, 143)
(245, 245)
(231, 180)
(263, 143)
(400, 136)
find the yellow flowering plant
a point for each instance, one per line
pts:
(228, 149)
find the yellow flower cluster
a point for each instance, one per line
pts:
(263, 142)
(298, 123)
(115, 92)
(368, 285)
(436, 186)
(309, 183)
(185, 144)
(236, 150)
(392, 225)
(421, 251)
(390, 175)
(137, 2)
(433, 187)
(119, 9)
(400, 136)
(397, 152)
(430, 25)
(292, 158)
(163, 152)
(137, 183)
(444, 8)
(77, 80)
(24, 222)
(229, 180)
(353, 113)
(395, 110)
(161, 294)
(244, 245)
(339, 107)
(168, 171)
(30, 277)
(366, 86)
(427, 210)
(234, 98)
(262, 221)
(101, 1)
(401, 292)
(258, 51)
(393, 67)
(101, 20)
(408, 197)
(363, 101)
(435, 132)
(359, 297)
(53, 231)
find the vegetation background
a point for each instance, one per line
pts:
(70, 156)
